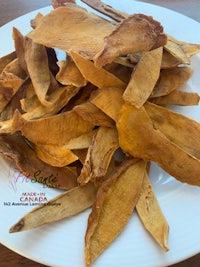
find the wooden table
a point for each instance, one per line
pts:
(10, 10)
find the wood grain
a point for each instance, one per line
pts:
(11, 9)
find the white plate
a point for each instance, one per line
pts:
(62, 244)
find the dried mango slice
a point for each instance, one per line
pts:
(177, 51)
(7, 59)
(169, 61)
(36, 21)
(34, 109)
(69, 74)
(99, 155)
(9, 85)
(141, 86)
(81, 31)
(137, 33)
(177, 97)
(89, 112)
(139, 137)
(171, 79)
(80, 142)
(151, 215)
(97, 76)
(180, 129)
(19, 42)
(36, 59)
(106, 221)
(54, 130)
(57, 156)
(109, 100)
(189, 49)
(15, 68)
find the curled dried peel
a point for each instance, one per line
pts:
(137, 33)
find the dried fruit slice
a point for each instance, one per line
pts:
(139, 137)
(107, 220)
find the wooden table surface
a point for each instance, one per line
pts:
(11, 9)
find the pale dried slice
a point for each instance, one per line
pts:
(16, 148)
(61, 207)
(36, 60)
(99, 155)
(137, 33)
(53, 130)
(69, 74)
(177, 97)
(139, 137)
(81, 31)
(97, 76)
(106, 10)
(141, 86)
(109, 100)
(151, 214)
(180, 129)
(171, 79)
(107, 220)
